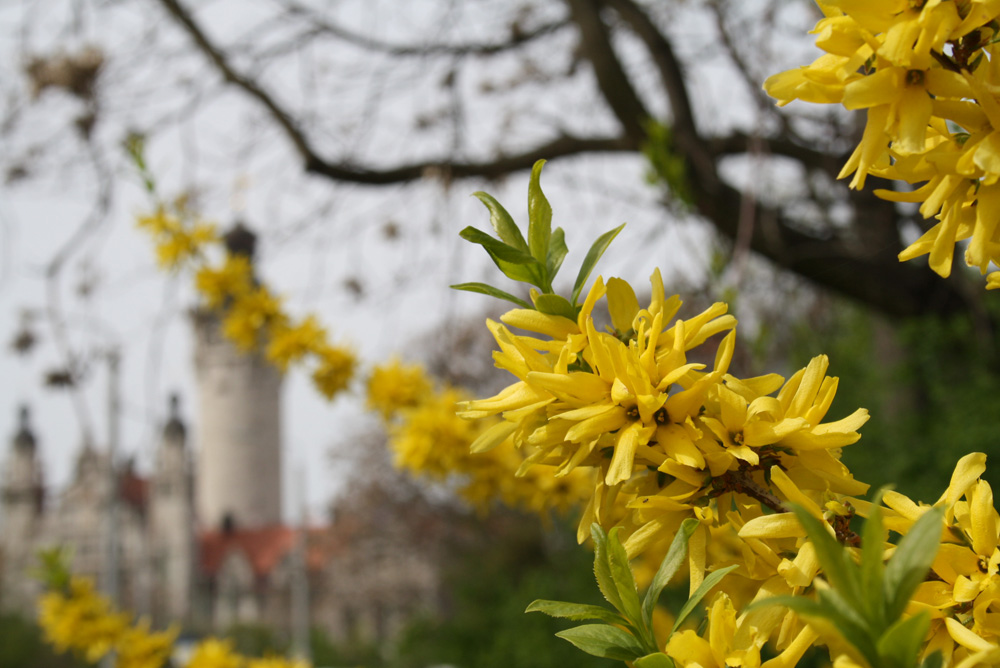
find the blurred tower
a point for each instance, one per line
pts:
(21, 496)
(171, 507)
(239, 426)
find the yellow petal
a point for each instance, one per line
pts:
(591, 428)
(792, 492)
(914, 112)
(778, 525)
(879, 88)
(967, 638)
(623, 460)
(984, 519)
(575, 387)
(967, 470)
(493, 437)
(622, 304)
(556, 326)
(696, 558)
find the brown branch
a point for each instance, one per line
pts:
(741, 482)
(861, 271)
(739, 143)
(518, 38)
(314, 163)
(684, 129)
(595, 46)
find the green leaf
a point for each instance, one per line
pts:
(575, 611)
(605, 641)
(503, 223)
(602, 568)
(496, 247)
(553, 304)
(710, 581)
(53, 569)
(557, 253)
(621, 573)
(850, 624)
(838, 567)
(900, 645)
(593, 255)
(872, 549)
(515, 264)
(910, 562)
(484, 289)
(832, 612)
(933, 660)
(668, 568)
(657, 660)
(539, 216)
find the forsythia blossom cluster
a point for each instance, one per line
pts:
(428, 439)
(746, 470)
(651, 408)
(83, 621)
(253, 317)
(927, 73)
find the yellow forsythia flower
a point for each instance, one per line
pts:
(229, 282)
(335, 370)
(290, 344)
(247, 318)
(926, 74)
(395, 385)
(139, 648)
(83, 621)
(214, 653)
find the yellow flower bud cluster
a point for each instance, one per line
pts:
(178, 240)
(83, 621)
(927, 73)
(253, 317)
(428, 439)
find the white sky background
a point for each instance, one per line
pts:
(315, 234)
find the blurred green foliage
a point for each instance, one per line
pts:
(23, 646)
(492, 586)
(932, 387)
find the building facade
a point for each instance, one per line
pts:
(199, 539)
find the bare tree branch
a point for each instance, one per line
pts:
(518, 38)
(862, 267)
(494, 168)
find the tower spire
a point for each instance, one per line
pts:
(25, 437)
(174, 427)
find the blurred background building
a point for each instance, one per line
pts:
(200, 538)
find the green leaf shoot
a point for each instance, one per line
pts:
(557, 253)
(554, 304)
(593, 255)
(710, 581)
(503, 223)
(621, 574)
(484, 289)
(539, 217)
(574, 611)
(602, 568)
(604, 641)
(668, 568)
(910, 562)
(655, 660)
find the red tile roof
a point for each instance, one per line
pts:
(133, 489)
(264, 548)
